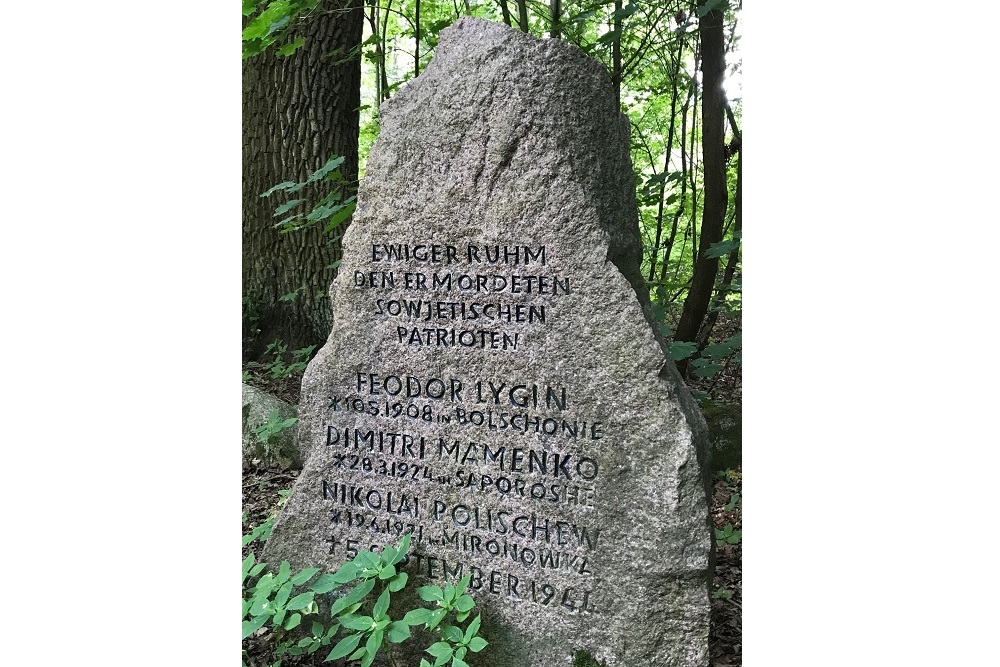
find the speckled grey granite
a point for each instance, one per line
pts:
(492, 380)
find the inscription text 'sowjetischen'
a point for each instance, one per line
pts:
(442, 295)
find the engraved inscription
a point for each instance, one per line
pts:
(446, 298)
(489, 475)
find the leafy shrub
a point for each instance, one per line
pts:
(280, 602)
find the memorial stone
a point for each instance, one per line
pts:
(493, 383)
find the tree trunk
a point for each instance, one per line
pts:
(297, 113)
(416, 42)
(731, 261)
(666, 165)
(713, 69)
(522, 14)
(616, 54)
(505, 11)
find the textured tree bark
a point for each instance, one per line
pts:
(713, 69)
(298, 112)
(734, 255)
(522, 15)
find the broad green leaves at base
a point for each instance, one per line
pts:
(273, 604)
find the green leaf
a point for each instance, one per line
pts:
(417, 616)
(465, 603)
(440, 648)
(323, 584)
(287, 206)
(278, 25)
(368, 659)
(404, 546)
(261, 606)
(452, 634)
(707, 371)
(430, 593)
(284, 571)
(436, 616)
(293, 621)
(366, 560)
(359, 591)
(709, 6)
(473, 628)
(397, 582)
(289, 49)
(718, 351)
(282, 597)
(626, 11)
(381, 605)
(477, 644)
(250, 627)
(656, 179)
(280, 186)
(357, 622)
(387, 555)
(387, 572)
(339, 217)
(374, 642)
(317, 629)
(249, 6)
(609, 37)
(300, 601)
(330, 165)
(248, 563)
(255, 29)
(347, 572)
(682, 350)
(345, 646)
(458, 662)
(723, 248)
(397, 631)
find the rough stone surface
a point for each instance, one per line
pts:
(281, 450)
(525, 413)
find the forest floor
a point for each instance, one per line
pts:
(261, 498)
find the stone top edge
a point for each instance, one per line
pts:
(497, 32)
